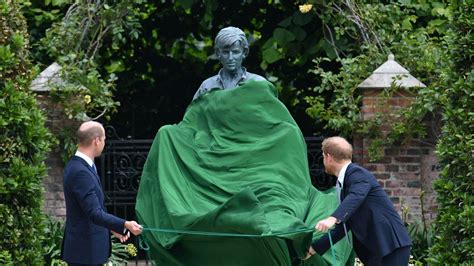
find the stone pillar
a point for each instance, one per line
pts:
(54, 204)
(405, 171)
(56, 121)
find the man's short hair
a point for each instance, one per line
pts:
(337, 147)
(85, 137)
(228, 36)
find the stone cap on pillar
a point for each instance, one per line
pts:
(390, 73)
(50, 75)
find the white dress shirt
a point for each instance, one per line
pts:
(89, 161)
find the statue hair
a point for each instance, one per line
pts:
(228, 36)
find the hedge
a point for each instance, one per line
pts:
(24, 143)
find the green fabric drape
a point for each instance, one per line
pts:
(237, 163)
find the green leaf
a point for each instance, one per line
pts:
(285, 23)
(271, 55)
(186, 4)
(283, 36)
(115, 66)
(406, 24)
(302, 19)
(299, 33)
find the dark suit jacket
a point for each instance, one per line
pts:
(87, 236)
(376, 227)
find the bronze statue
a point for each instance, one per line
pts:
(231, 48)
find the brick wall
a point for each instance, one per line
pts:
(404, 170)
(54, 204)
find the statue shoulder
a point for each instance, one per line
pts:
(255, 77)
(206, 85)
(210, 82)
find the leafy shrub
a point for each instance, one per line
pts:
(53, 238)
(422, 238)
(454, 226)
(24, 142)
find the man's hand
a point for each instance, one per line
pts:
(133, 227)
(121, 237)
(326, 224)
(310, 253)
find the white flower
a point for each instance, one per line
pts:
(305, 8)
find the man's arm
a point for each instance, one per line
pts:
(83, 190)
(358, 188)
(323, 244)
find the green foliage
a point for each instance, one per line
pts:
(75, 43)
(454, 241)
(420, 233)
(24, 142)
(13, 43)
(422, 238)
(341, 111)
(23, 146)
(414, 48)
(53, 237)
(119, 255)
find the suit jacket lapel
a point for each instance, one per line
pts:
(91, 170)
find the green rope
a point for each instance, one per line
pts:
(332, 248)
(143, 245)
(219, 234)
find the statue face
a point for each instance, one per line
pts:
(231, 57)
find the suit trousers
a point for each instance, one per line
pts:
(398, 257)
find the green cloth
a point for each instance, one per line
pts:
(237, 163)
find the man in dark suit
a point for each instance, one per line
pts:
(87, 234)
(379, 235)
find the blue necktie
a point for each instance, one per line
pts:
(338, 191)
(94, 168)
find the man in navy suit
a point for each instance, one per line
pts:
(379, 235)
(87, 234)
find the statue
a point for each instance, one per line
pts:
(231, 47)
(229, 184)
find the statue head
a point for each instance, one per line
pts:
(231, 47)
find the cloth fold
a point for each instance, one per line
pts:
(236, 163)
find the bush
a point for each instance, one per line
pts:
(454, 226)
(52, 242)
(24, 142)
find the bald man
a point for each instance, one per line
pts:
(87, 234)
(379, 235)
